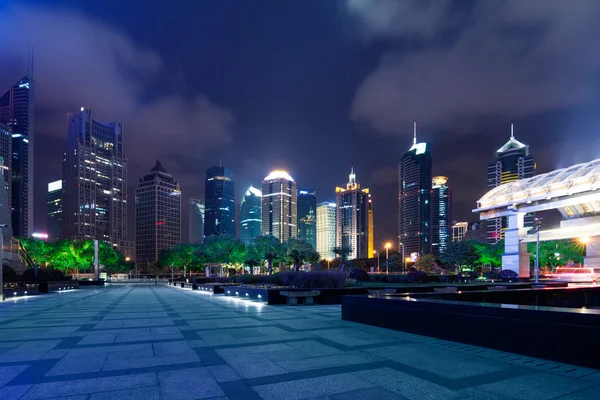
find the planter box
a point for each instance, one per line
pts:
(48, 287)
(29, 289)
(215, 288)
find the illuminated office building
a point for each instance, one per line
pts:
(250, 216)
(326, 214)
(513, 162)
(459, 229)
(441, 215)
(196, 221)
(353, 217)
(157, 214)
(307, 216)
(219, 202)
(54, 210)
(279, 206)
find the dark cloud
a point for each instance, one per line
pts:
(513, 58)
(85, 62)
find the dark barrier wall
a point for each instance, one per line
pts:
(563, 335)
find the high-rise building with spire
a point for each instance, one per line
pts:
(414, 199)
(16, 111)
(279, 206)
(219, 202)
(250, 216)
(157, 214)
(513, 162)
(95, 181)
(326, 227)
(354, 218)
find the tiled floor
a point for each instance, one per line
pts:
(159, 342)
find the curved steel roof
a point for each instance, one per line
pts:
(561, 182)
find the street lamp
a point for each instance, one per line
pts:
(328, 261)
(1, 261)
(403, 259)
(387, 264)
(376, 252)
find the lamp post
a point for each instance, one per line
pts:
(537, 254)
(1, 261)
(403, 259)
(328, 261)
(387, 254)
(376, 252)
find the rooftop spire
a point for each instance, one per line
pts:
(352, 180)
(414, 133)
(512, 131)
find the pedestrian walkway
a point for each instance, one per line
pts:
(159, 342)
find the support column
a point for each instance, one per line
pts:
(515, 255)
(592, 253)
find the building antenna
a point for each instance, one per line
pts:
(220, 162)
(512, 131)
(30, 67)
(415, 133)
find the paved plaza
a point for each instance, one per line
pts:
(159, 342)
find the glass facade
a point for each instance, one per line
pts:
(441, 215)
(326, 213)
(279, 206)
(157, 214)
(513, 162)
(414, 198)
(16, 111)
(219, 202)
(459, 229)
(250, 216)
(353, 217)
(196, 222)
(54, 210)
(307, 216)
(95, 181)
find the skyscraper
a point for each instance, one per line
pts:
(279, 206)
(326, 213)
(157, 214)
(54, 207)
(95, 181)
(414, 198)
(441, 215)
(250, 215)
(196, 222)
(16, 111)
(513, 162)
(352, 218)
(219, 202)
(307, 216)
(5, 165)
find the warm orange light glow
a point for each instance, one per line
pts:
(388, 245)
(585, 239)
(407, 259)
(127, 258)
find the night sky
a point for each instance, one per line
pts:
(312, 86)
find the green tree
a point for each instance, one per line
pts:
(426, 263)
(183, 255)
(489, 254)
(298, 251)
(223, 249)
(554, 253)
(253, 258)
(270, 249)
(343, 252)
(461, 255)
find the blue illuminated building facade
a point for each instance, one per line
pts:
(219, 202)
(307, 216)
(250, 216)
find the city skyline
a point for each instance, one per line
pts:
(190, 114)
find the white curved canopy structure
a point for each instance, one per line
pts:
(578, 183)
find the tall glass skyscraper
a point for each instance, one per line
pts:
(54, 209)
(219, 202)
(16, 111)
(196, 221)
(279, 206)
(441, 215)
(513, 162)
(95, 181)
(326, 213)
(157, 214)
(414, 198)
(307, 216)
(250, 216)
(6, 166)
(353, 217)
